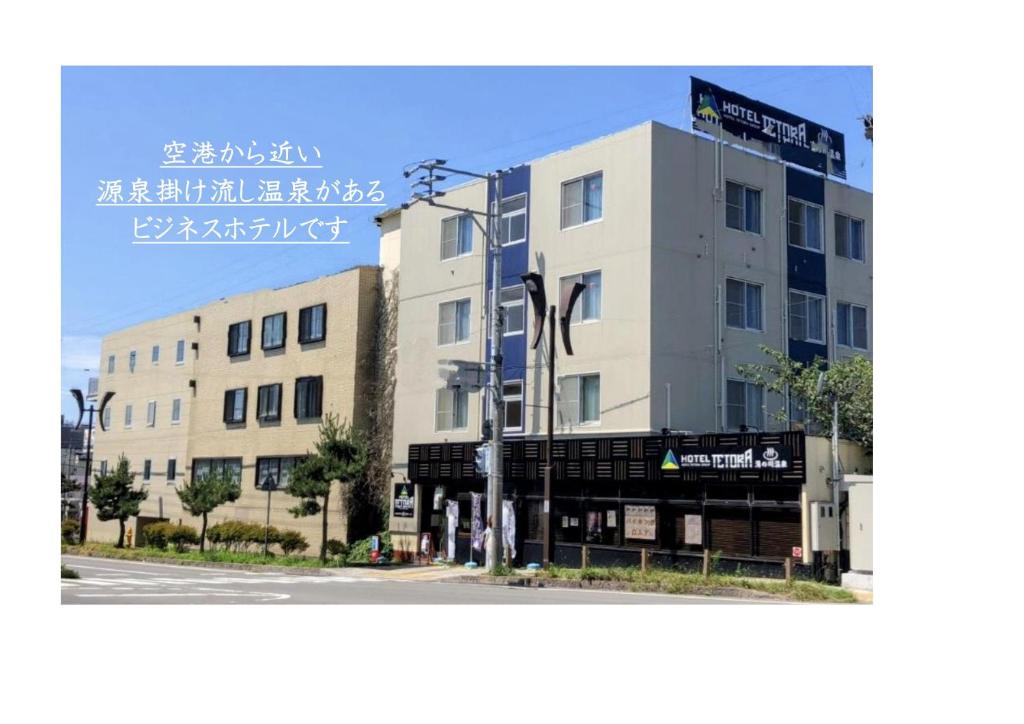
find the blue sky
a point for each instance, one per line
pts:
(368, 123)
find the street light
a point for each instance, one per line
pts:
(534, 284)
(80, 400)
(836, 473)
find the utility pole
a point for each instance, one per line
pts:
(77, 394)
(496, 402)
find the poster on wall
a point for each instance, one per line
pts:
(405, 501)
(453, 522)
(477, 531)
(508, 526)
(640, 522)
(593, 527)
(694, 530)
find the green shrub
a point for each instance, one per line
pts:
(158, 534)
(359, 551)
(291, 541)
(183, 536)
(335, 547)
(237, 535)
(69, 531)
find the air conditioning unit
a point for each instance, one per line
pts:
(824, 530)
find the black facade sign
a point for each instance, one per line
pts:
(404, 500)
(799, 140)
(754, 457)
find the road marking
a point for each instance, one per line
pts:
(265, 596)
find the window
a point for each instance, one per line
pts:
(230, 468)
(147, 469)
(155, 357)
(513, 299)
(172, 469)
(275, 473)
(239, 335)
(513, 220)
(313, 324)
(852, 325)
(806, 317)
(131, 361)
(452, 410)
(453, 322)
(234, 405)
(103, 467)
(579, 399)
(512, 392)
(743, 305)
(308, 397)
(582, 200)
(804, 225)
(176, 411)
(744, 403)
(179, 352)
(106, 417)
(127, 416)
(110, 364)
(151, 413)
(742, 207)
(456, 236)
(588, 306)
(274, 331)
(268, 403)
(849, 237)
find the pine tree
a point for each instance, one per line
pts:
(114, 496)
(205, 494)
(340, 455)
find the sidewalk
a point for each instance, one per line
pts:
(430, 572)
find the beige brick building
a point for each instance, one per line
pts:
(241, 385)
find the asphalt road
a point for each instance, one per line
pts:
(110, 581)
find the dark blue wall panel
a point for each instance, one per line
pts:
(805, 269)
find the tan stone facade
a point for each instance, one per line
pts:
(343, 359)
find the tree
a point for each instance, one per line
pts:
(115, 498)
(205, 494)
(849, 379)
(340, 455)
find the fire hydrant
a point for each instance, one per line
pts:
(128, 535)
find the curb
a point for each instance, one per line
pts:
(294, 570)
(531, 582)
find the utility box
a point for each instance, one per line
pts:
(824, 530)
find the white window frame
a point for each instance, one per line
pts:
(111, 364)
(577, 380)
(850, 218)
(151, 413)
(745, 284)
(521, 397)
(803, 225)
(469, 331)
(454, 397)
(127, 417)
(176, 420)
(579, 302)
(743, 208)
(132, 357)
(583, 202)
(521, 302)
(852, 345)
(108, 415)
(519, 212)
(472, 233)
(824, 315)
(154, 355)
(179, 359)
(761, 416)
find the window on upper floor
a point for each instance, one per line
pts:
(155, 356)
(239, 336)
(849, 237)
(308, 397)
(513, 220)
(179, 352)
(579, 399)
(268, 403)
(744, 405)
(512, 393)
(172, 470)
(742, 207)
(804, 225)
(151, 413)
(313, 324)
(456, 236)
(131, 361)
(588, 306)
(229, 468)
(743, 305)
(234, 405)
(147, 469)
(852, 325)
(451, 410)
(453, 322)
(582, 200)
(806, 317)
(275, 473)
(176, 411)
(513, 299)
(274, 330)
(110, 364)
(127, 416)
(106, 416)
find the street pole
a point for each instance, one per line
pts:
(497, 406)
(266, 531)
(550, 461)
(83, 528)
(836, 484)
